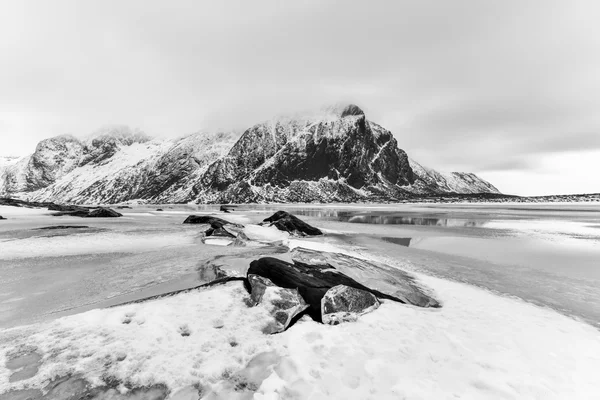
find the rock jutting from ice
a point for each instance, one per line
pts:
(282, 303)
(384, 278)
(311, 281)
(214, 222)
(344, 304)
(103, 212)
(285, 221)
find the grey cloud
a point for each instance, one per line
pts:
(462, 84)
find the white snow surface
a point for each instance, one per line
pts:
(478, 346)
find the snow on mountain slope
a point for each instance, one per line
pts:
(105, 181)
(428, 180)
(333, 155)
(155, 170)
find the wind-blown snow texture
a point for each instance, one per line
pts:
(336, 155)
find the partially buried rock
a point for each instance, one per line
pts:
(226, 208)
(283, 304)
(285, 221)
(343, 304)
(219, 232)
(71, 210)
(103, 212)
(1, 217)
(384, 278)
(214, 222)
(311, 281)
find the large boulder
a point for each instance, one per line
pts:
(344, 303)
(384, 278)
(65, 207)
(214, 222)
(103, 212)
(282, 303)
(311, 281)
(285, 221)
(71, 210)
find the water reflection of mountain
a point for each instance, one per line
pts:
(389, 218)
(427, 221)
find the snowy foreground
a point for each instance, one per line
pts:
(209, 344)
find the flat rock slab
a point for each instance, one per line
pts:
(214, 222)
(384, 278)
(285, 221)
(311, 281)
(344, 304)
(47, 228)
(103, 212)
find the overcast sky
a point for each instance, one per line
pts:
(506, 89)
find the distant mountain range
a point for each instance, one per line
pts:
(336, 155)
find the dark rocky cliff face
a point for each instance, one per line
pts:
(278, 155)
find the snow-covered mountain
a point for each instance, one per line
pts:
(335, 155)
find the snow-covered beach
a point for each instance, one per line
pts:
(497, 335)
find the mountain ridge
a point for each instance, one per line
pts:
(337, 155)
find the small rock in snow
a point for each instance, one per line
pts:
(343, 303)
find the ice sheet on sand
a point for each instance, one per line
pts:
(9, 211)
(93, 243)
(217, 241)
(265, 233)
(479, 346)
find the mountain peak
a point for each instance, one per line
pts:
(342, 110)
(121, 134)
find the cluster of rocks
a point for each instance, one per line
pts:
(84, 212)
(289, 290)
(216, 227)
(285, 221)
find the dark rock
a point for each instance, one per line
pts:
(122, 207)
(63, 227)
(159, 209)
(283, 304)
(103, 213)
(343, 304)
(384, 278)
(72, 210)
(352, 109)
(1, 217)
(66, 208)
(219, 232)
(79, 213)
(285, 221)
(311, 281)
(226, 208)
(7, 201)
(214, 222)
